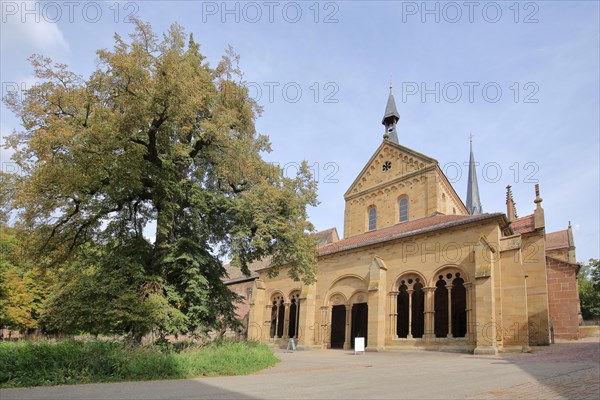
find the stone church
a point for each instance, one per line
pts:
(417, 267)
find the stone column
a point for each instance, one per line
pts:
(286, 320)
(325, 334)
(393, 332)
(268, 321)
(410, 293)
(429, 333)
(347, 339)
(449, 288)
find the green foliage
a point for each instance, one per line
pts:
(69, 362)
(154, 137)
(589, 289)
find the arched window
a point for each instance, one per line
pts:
(410, 308)
(372, 218)
(277, 316)
(403, 208)
(450, 302)
(294, 315)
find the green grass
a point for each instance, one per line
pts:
(24, 364)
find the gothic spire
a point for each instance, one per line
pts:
(511, 209)
(390, 118)
(473, 203)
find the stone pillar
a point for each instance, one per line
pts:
(410, 293)
(268, 321)
(429, 333)
(484, 299)
(469, 288)
(325, 332)
(308, 328)
(376, 305)
(393, 332)
(347, 339)
(449, 288)
(286, 320)
(256, 317)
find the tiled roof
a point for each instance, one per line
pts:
(327, 236)
(235, 274)
(404, 229)
(523, 225)
(557, 240)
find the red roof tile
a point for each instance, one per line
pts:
(523, 225)
(557, 240)
(404, 229)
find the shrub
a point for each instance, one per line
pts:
(70, 362)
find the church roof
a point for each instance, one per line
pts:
(405, 229)
(557, 240)
(524, 224)
(236, 275)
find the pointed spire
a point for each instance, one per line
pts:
(473, 203)
(511, 209)
(390, 118)
(538, 213)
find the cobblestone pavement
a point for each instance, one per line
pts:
(561, 371)
(583, 383)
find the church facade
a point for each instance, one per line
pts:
(417, 267)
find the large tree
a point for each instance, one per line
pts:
(589, 289)
(155, 137)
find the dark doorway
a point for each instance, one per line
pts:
(402, 328)
(441, 309)
(294, 314)
(280, 318)
(360, 322)
(338, 326)
(459, 307)
(418, 311)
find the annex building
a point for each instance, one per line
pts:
(417, 267)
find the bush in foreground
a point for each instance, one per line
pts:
(25, 364)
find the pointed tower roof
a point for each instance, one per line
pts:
(390, 118)
(473, 202)
(511, 209)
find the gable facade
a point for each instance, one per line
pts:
(428, 275)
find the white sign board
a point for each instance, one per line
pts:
(359, 344)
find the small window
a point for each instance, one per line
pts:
(372, 218)
(403, 209)
(248, 293)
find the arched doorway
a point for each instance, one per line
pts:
(338, 326)
(360, 322)
(410, 307)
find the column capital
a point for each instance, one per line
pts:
(393, 293)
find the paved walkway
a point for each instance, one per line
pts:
(562, 371)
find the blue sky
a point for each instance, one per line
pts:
(522, 77)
